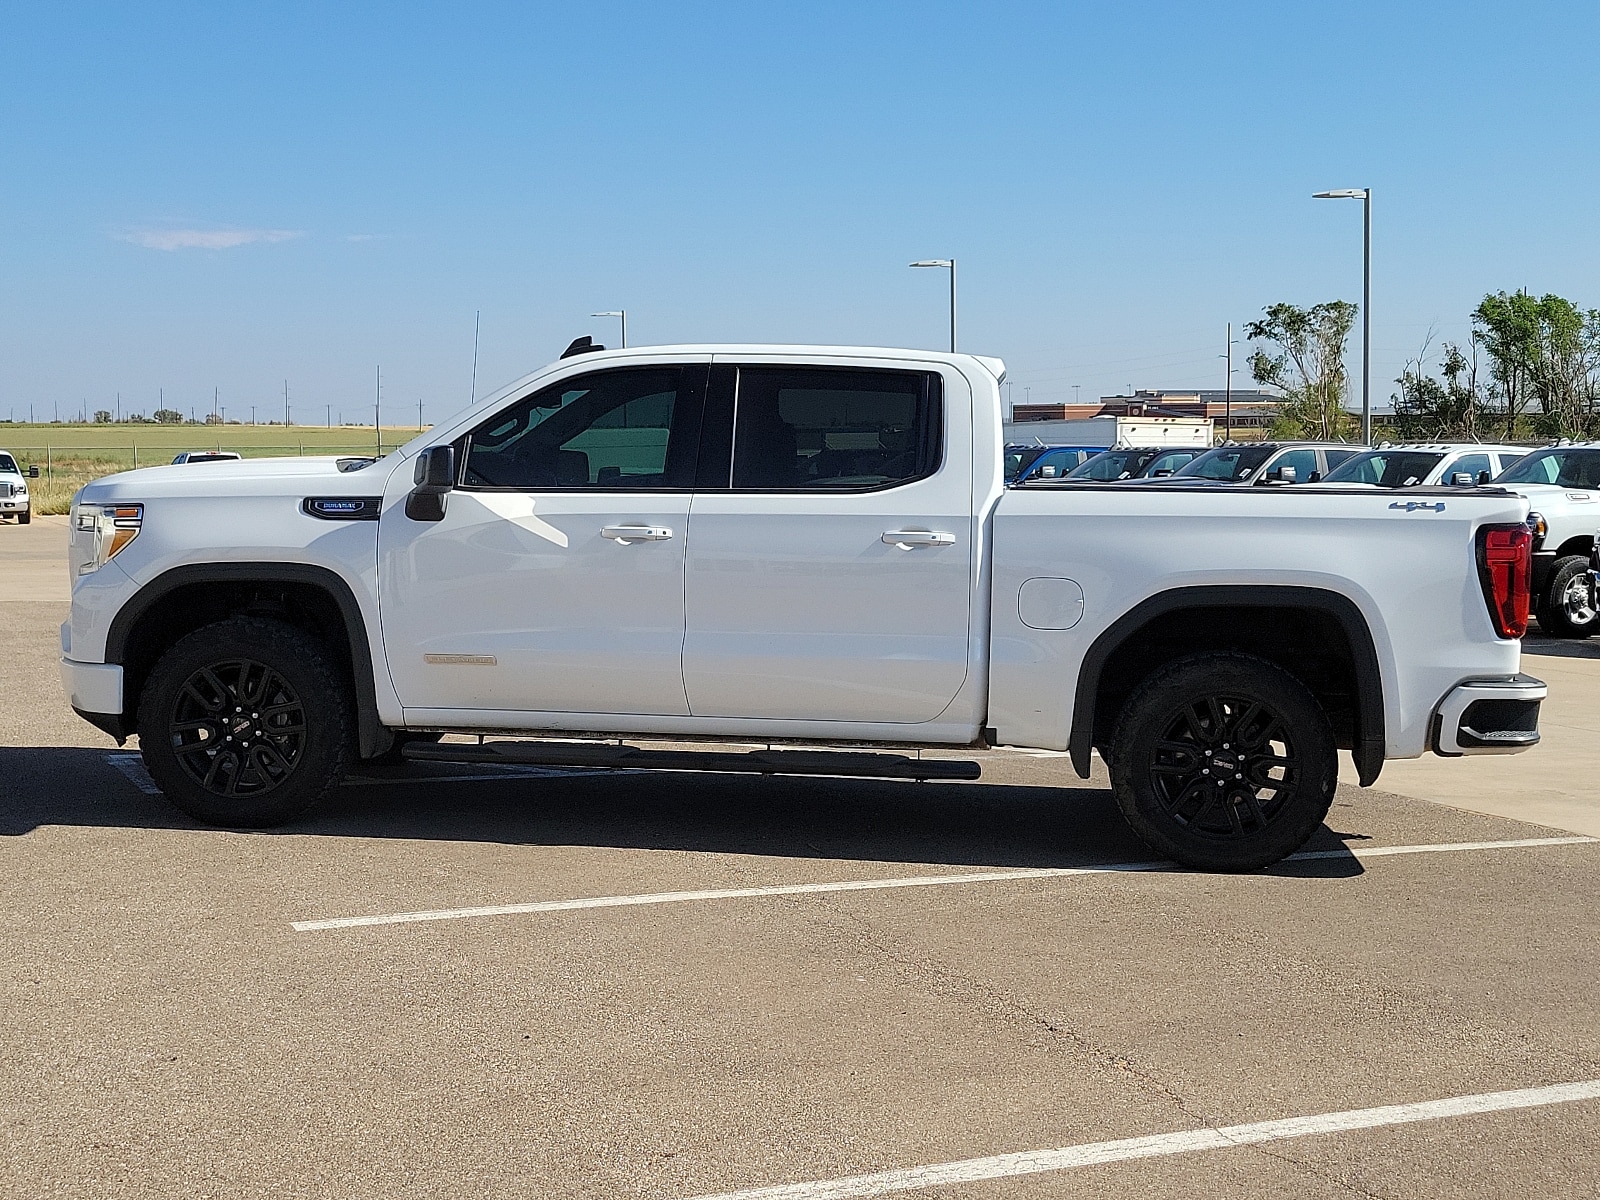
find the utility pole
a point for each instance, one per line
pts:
(216, 395)
(252, 414)
(119, 408)
(377, 414)
(330, 416)
(1227, 390)
(419, 415)
(473, 399)
(286, 403)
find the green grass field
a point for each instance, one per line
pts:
(69, 456)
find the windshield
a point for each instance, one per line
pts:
(1563, 467)
(8, 465)
(1020, 458)
(1226, 462)
(1387, 468)
(1114, 464)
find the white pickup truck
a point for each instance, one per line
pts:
(800, 546)
(1562, 485)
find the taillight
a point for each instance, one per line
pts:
(1505, 567)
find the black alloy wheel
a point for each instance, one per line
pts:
(1224, 761)
(238, 729)
(247, 722)
(1225, 766)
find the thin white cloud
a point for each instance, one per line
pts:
(206, 239)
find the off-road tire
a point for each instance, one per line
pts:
(25, 516)
(1556, 616)
(293, 718)
(1224, 762)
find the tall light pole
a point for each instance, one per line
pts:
(1227, 388)
(951, 264)
(1365, 196)
(622, 315)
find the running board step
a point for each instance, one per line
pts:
(755, 762)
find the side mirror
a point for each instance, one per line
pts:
(1484, 477)
(1159, 473)
(1461, 479)
(1285, 474)
(434, 476)
(1316, 477)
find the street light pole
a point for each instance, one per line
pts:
(950, 264)
(622, 315)
(1365, 196)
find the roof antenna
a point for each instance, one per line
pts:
(583, 345)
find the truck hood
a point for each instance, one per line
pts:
(244, 477)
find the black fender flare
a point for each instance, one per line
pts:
(374, 737)
(1370, 737)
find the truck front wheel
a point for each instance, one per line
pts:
(1568, 609)
(245, 723)
(1224, 762)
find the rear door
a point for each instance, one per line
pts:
(830, 561)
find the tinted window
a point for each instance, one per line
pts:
(1509, 457)
(819, 428)
(1302, 462)
(1227, 462)
(1566, 468)
(7, 463)
(1387, 468)
(1469, 464)
(1057, 464)
(612, 429)
(1019, 458)
(1335, 457)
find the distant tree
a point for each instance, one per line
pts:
(167, 416)
(1544, 350)
(213, 419)
(1308, 367)
(102, 417)
(1450, 408)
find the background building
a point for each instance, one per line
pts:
(1252, 408)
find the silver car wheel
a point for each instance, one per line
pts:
(1576, 601)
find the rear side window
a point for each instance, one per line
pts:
(834, 429)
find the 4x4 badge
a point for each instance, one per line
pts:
(1413, 505)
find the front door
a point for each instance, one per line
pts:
(830, 569)
(554, 583)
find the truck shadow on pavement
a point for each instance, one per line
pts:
(962, 824)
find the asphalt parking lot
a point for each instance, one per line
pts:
(551, 984)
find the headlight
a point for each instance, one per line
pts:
(1538, 527)
(100, 532)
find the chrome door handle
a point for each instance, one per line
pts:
(623, 534)
(907, 538)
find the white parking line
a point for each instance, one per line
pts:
(1066, 1158)
(863, 885)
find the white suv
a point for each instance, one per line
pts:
(14, 499)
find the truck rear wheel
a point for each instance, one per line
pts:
(1224, 762)
(245, 723)
(1568, 609)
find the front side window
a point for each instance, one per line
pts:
(839, 429)
(612, 430)
(1469, 464)
(1563, 467)
(1302, 462)
(1167, 463)
(9, 465)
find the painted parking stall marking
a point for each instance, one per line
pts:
(1189, 1141)
(884, 884)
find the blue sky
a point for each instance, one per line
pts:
(226, 196)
